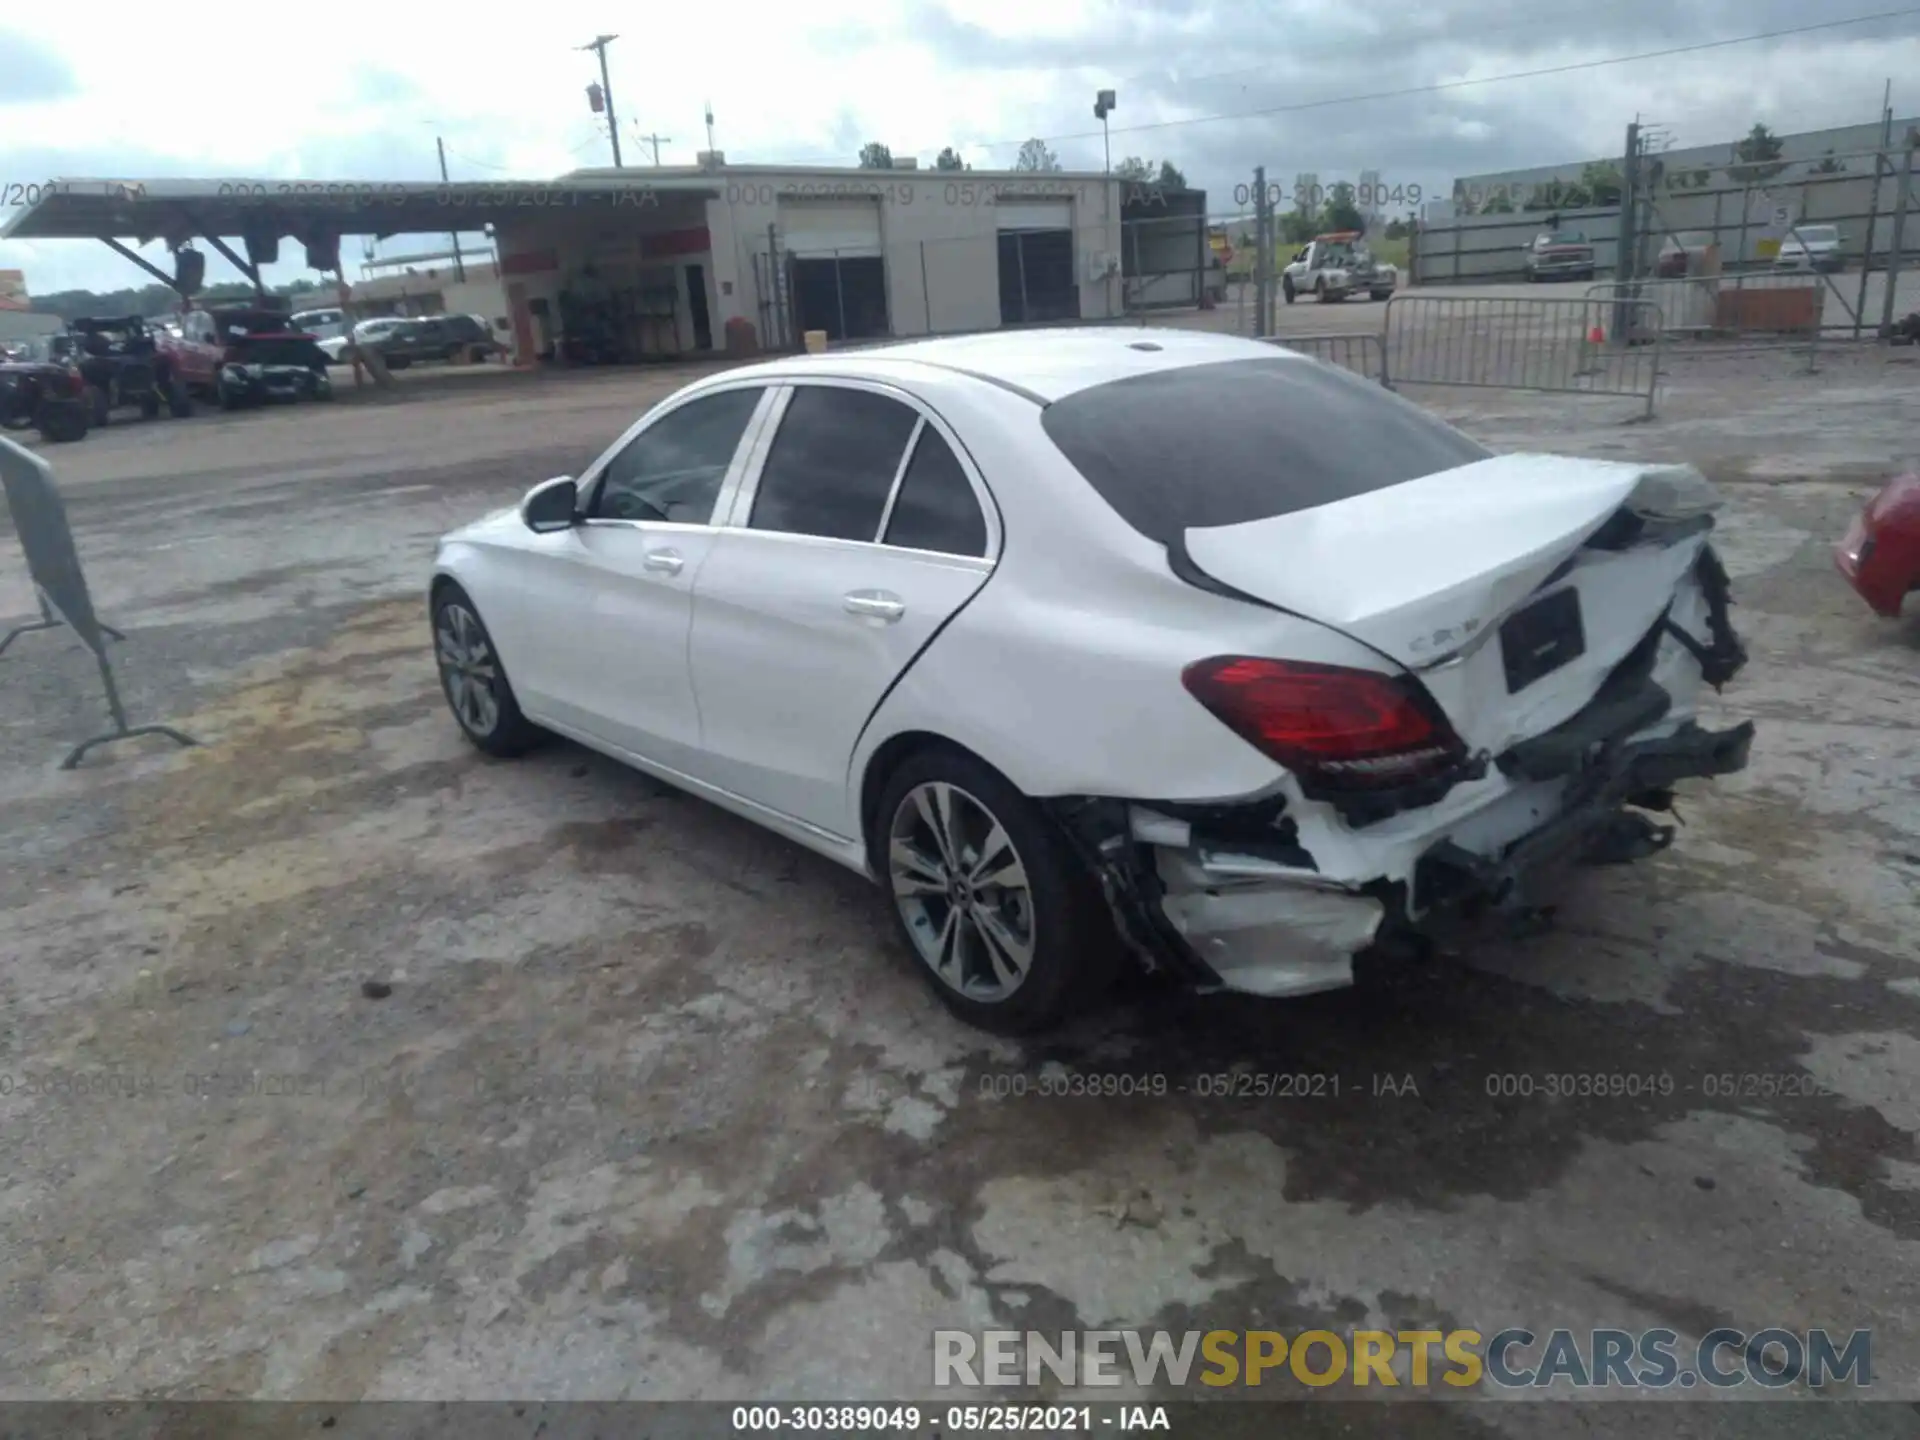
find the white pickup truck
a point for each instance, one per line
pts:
(1333, 267)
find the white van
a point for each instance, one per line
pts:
(321, 324)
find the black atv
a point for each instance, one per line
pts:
(49, 397)
(123, 366)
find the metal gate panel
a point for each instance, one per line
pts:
(1601, 346)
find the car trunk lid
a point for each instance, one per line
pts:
(1482, 578)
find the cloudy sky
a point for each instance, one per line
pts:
(300, 95)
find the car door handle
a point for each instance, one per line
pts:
(877, 604)
(670, 561)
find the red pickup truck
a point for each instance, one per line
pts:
(240, 355)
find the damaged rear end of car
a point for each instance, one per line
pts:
(1528, 637)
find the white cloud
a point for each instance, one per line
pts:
(283, 96)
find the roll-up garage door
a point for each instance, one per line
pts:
(831, 227)
(1035, 214)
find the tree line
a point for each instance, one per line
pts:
(1752, 160)
(157, 299)
(1037, 157)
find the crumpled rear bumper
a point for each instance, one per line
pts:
(1248, 916)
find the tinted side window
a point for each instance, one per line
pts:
(673, 469)
(832, 464)
(936, 508)
(1242, 440)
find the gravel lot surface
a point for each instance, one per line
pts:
(657, 1107)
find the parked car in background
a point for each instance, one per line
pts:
(45, 395)
(1880, 553)
(323, 324)
(437, 337)
(935, 611)
(1559, 255)
(1811, 248)
(243, 355)
(364, 332)
(1682, 254)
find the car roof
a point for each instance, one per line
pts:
(1046, 365)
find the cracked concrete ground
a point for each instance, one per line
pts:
(657, 1107)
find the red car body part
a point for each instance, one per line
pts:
(1880, 555)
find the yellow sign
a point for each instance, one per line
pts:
(1767, 249)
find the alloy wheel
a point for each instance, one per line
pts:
(467, 668)
(963, 891)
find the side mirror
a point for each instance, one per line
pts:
(549, 506)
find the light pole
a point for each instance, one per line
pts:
(1104, 104)
(599, 46)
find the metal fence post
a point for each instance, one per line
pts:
(1903, 197)
(1386, 331)
(1659, 348)
(1261, 262)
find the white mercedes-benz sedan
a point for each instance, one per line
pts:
(1083, 643)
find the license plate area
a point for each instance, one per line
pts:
(1541, 638)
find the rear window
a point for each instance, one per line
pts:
(1227, 443)
(1820, 233)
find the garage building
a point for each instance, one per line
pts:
(637, 264)
(857, 254)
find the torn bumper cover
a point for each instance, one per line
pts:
(1228, 900)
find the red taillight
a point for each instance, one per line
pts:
(1337, 729)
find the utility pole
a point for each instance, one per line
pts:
(655, 141)
(599, 47)
(459, 265)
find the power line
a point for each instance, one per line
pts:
(1460, 84)
(484, 164)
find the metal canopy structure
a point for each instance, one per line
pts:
(315, 213)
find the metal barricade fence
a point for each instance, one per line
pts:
(1598, 346)
(1359, 351)
(1755, 310)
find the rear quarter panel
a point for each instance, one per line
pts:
(1063, 672)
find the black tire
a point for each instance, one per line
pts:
(1286, 288)
(510, 733)
(61, 424)
(1380, 294)
(100, 404)
(179, 403)
(1060, 913)
(398, 362)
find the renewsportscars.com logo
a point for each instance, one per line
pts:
(1509, 1359)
